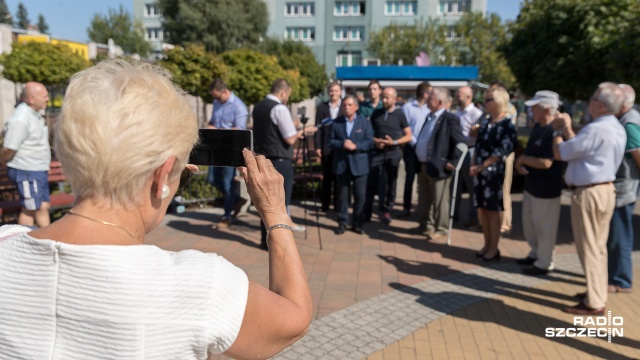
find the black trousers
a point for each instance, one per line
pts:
(383, 164)
(285, 168)
(328, 181)
(411, 167)
(343, 183)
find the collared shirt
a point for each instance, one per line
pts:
(422, 146)
(366, 108)
(334, 110)
(416, 116)
(28, 135)
(231, 114)
(281, 116)
(468, 117)
(350, 124)
(595, 153)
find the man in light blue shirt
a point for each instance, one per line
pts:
(229, 112)
(593, 157)
(416, 113)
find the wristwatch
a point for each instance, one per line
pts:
(395, 142)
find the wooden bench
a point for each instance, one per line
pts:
(10, 199)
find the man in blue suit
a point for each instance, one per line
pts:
(350, 138)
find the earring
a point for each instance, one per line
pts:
(165, 192)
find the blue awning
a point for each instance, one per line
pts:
(404, 73)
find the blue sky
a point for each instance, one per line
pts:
(69, 19)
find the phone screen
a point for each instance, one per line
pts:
(221, 147)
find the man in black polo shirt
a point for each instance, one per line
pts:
(390, 129)
(542, 186)
(274, 135)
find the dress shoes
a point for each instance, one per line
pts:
(341, 229)
(421, 230)
(358, 230)
(526, 261)
(404, 213)
(534, 270)
(580, 296)
(495, 257)
(582, 309)
(386, 218)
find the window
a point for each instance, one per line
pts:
(299, 9)
(349, 8)
(151, 11)
(154, 34)
(401, 8)
(454, 7)
(300, 33)
(349, 59)
(348, 33)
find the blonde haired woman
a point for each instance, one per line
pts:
(496, 140)
(88, 287)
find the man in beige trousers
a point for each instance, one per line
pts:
(593, 157)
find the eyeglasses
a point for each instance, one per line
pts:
(185, 178)
(486, 100)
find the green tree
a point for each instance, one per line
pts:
(51, 65)
(219, 25)
(193, 68)
(5, 15)
(118, 25)
(252, 73)
(43, 27)
(569, 46)
(477, 42)
(295, 55)
(23, 17)
(404, 42)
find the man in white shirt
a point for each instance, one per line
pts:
(469, 115)
(593, 157)
(27, 153)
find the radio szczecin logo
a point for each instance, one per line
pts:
(598, 326)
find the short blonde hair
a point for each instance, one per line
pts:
(500, 97)
(119, 123)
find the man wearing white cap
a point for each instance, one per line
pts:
(593, 157)
(542, 186)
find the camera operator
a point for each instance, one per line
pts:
(276, 133)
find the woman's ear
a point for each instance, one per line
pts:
(161, 175)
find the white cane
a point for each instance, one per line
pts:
(463, 148)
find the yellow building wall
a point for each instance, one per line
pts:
(77, 47)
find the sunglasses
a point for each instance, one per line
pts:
(185, 178)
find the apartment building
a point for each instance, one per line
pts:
(336, 31)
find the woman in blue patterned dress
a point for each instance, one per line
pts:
(496, 140)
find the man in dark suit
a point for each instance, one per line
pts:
(325, 114)
(350, 138)
(437, 154)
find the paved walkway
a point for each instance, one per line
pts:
(391, 294)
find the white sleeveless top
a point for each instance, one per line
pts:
(63, 301)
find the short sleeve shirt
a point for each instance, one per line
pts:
(392, 124)
(543, 183)
(28, 135)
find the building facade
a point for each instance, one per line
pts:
(336, 31)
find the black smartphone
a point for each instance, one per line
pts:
(221, 147)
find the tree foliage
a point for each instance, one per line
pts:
(43, 27)
(569, 46)
(220, 25)
(23, 17)
(51, 65)
(404, 42)
(473, 40)
(295, 55)
(5, 15)
(194, 68)
(118, 25)
(478, 39)
(252, 73)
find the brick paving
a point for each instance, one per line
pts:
(391, 294)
